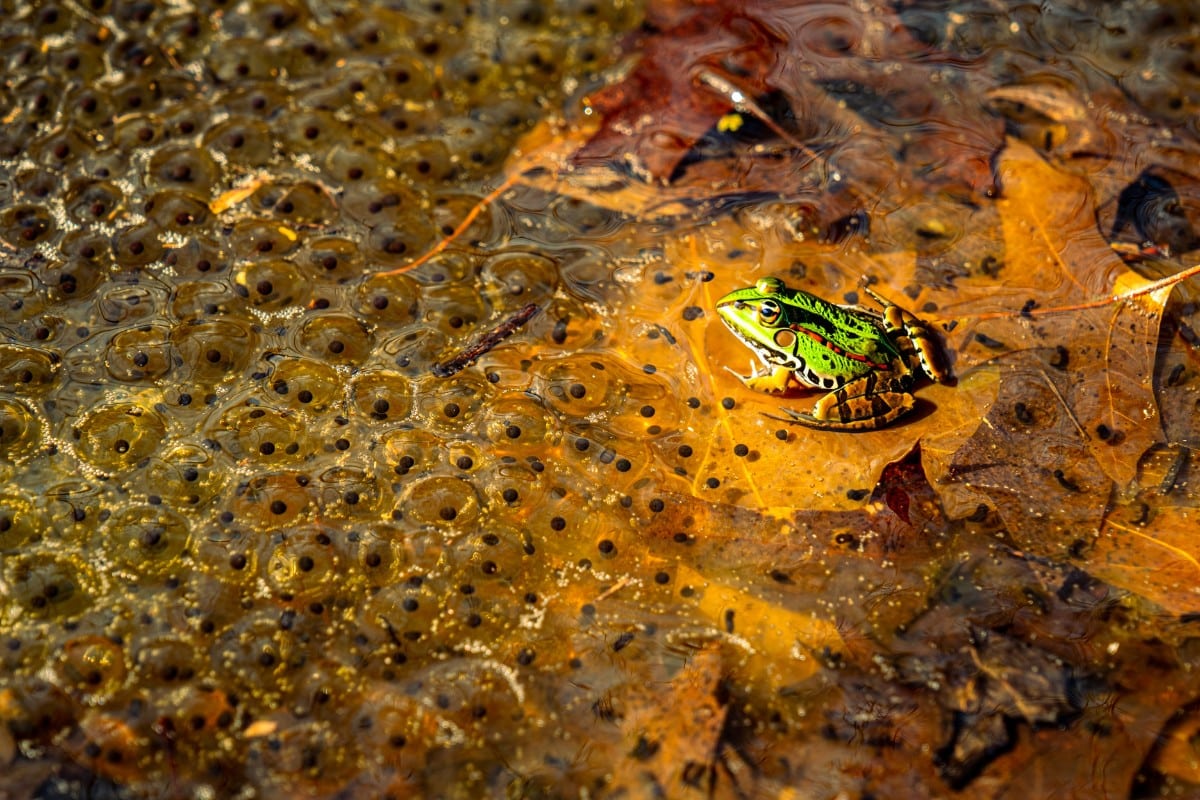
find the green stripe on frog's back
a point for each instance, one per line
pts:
(854, 330)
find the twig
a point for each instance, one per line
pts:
(486, 342)
(471, 216)
(1132, 294)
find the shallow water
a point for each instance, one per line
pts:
(253, 544)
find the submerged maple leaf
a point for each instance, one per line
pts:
(1076, 408)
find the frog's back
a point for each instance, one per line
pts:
(849, 331)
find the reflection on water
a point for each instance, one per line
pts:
(249, 542)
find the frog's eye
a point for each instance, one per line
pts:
(768, 311)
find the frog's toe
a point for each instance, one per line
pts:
(799, 417)
(776, 382)
(738, 375)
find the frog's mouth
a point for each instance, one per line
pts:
(741, 319)
(737, 317)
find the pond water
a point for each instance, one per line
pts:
(368, 427)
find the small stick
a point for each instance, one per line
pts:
(616, 587)
(475, 211)
(742, 101)
(485, 342)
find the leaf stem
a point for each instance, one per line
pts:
(471, 216)
(1149, 288)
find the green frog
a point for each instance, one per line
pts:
(866, 361)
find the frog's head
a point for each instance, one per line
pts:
(755, 314)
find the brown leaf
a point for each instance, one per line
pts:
(1157, 558)
(776, 646)
(721, 104)
(1027, 461)
(1076, 408)
(672, 732)
(1124, 412)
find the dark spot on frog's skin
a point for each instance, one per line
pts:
(828, 383)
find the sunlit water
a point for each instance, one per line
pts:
(252, 545)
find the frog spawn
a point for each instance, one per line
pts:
(238, 509)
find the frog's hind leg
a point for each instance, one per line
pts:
(912, 336)
(861, 405)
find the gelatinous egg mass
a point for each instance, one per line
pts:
(248, 542)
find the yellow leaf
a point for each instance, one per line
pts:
(1056, 255)
(780, 646)
(1155, 559)
(231, 198)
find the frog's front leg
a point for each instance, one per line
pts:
(780, 380)
(865, 403)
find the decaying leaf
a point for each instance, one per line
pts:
(1077, 390)
(777, 647)
(672, 733)
(1154, 554)
(662, 139)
